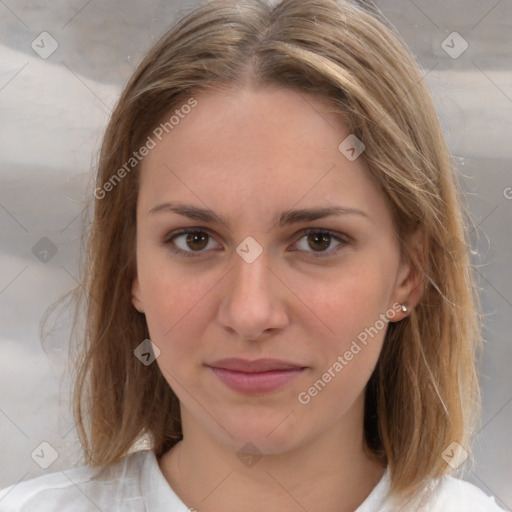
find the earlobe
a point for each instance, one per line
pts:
(408, 293)
(416, 288)
(410, 283)
(136, 300)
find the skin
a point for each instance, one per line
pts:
(248, 155)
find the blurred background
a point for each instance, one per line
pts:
(63, 65)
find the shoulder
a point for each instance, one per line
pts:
(79, 489)
(445, 494)
(455, 495)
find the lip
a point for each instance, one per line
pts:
(255, 377)
(258, 365)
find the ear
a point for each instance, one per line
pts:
(409, 286)
(136, 295)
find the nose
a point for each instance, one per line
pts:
(253, 300)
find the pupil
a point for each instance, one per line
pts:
(320, 238)
(199, 238)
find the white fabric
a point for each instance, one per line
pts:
(136, 484)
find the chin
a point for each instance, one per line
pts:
(267, 434)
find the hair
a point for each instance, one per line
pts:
(423, 394)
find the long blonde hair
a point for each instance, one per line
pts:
(423, 394)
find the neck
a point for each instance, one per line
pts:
(331, 472)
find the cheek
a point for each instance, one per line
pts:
(349, 299)
(351, 306)
(174, 301)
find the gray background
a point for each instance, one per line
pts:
(53, 113)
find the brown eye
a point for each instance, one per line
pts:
(319, 241)
(188, 242)
(197, 240)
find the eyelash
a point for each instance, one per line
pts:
(168, 240)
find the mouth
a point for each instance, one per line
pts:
(255, 377)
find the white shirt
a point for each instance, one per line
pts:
(136, 484)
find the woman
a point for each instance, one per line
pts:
(279, 298)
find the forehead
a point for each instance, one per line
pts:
(252, 125)
(248, 146)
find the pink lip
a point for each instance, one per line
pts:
(252, 377)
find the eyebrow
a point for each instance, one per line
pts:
(285, 218)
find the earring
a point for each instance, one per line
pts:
(404, 308)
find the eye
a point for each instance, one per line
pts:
(186, 242)
(194, 242)
(320, 240)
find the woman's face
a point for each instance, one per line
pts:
(267, 333)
